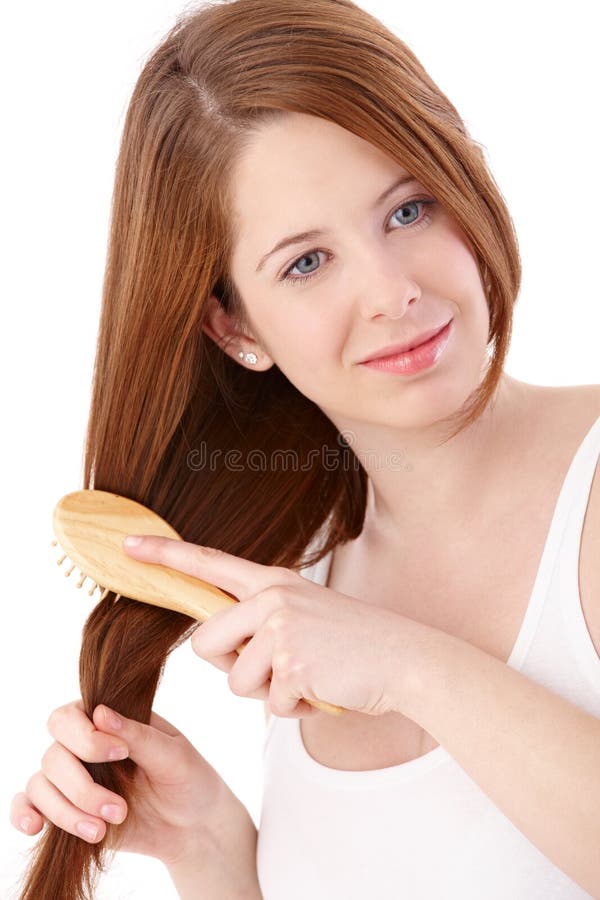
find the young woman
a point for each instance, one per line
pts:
(296, 205)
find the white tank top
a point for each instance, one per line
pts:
(423, 830)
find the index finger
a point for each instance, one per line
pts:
(234, 574)
(70, 726)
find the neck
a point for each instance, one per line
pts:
(435, 487)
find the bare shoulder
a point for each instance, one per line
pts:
(564, 413)
(586, 394)
(581, 407)
(568, 412)
(551, 423)
(577, 402)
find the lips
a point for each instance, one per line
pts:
(393, 349)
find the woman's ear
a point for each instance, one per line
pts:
(225, 330)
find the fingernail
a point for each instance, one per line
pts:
(132, 540)
(112, 719)
(118, 753)
(112, 812)
(87, 830)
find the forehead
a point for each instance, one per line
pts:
(299, 167)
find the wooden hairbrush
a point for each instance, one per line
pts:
(90, 526)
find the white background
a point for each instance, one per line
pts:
(523, 76)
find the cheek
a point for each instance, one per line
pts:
(460, 280)
(310, 356)
(457, 266)
(309, 342)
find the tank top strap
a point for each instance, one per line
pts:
(578, 481)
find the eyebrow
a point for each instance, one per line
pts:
(315, 232)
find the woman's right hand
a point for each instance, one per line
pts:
(178, 794)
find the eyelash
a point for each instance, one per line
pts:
(424, 220)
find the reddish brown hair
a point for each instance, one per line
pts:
(161, 385)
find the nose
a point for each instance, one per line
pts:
(385, 290)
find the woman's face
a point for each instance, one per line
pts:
(380, 273)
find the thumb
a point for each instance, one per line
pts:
(149, 747)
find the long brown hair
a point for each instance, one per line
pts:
(162, 387)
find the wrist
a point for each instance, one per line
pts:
(214, 879)
(221, 862)
(214, 875)
(416, 649)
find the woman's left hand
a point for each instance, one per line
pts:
(309, 640)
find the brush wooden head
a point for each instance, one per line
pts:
(90, 526)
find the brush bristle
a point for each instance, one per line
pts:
(60, 561)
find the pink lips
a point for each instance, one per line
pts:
(408, 362)
(394, 349)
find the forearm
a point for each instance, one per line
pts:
(224, 868)
(534, 754)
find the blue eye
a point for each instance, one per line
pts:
(418, 223)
